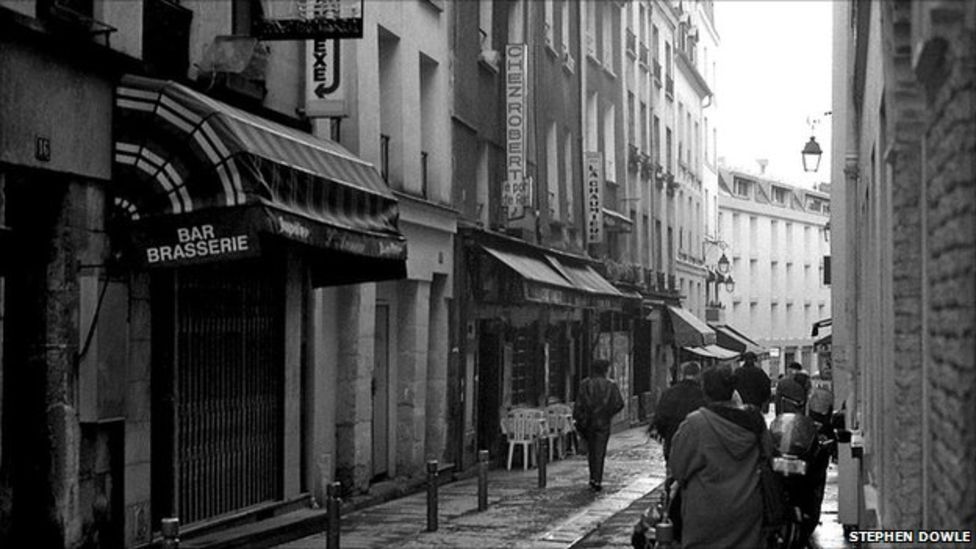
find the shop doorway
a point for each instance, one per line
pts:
(489, 385)
(218, 391)
(381, 391)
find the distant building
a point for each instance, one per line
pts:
(778, 245)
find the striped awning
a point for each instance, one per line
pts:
(179, 152)
(713, 351)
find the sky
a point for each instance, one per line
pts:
(774, 72)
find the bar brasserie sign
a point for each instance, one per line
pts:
(198, 243)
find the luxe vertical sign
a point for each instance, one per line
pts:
(593, 170)
(516, 192)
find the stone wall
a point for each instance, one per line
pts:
(950, 149)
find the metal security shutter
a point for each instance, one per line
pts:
(228, 383)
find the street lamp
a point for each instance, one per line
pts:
(723, 264)
(729, 284)
(811, 155)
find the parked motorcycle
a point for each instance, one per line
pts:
(802, 448)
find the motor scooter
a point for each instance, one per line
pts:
(802, 448)
(654, 528)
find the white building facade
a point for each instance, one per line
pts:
(777, 237)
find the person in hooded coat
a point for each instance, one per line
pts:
(714, 459)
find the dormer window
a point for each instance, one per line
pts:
(741, 187)
(780, 195)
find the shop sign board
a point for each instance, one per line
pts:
(194, 239)
(593, 170)
(309, 20)
(322, 73)
(517, 189)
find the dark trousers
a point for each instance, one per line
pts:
(596, 453)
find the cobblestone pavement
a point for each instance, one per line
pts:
(519, 514)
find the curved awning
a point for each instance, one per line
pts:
(181, 153)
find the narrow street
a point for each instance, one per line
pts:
(519, 514)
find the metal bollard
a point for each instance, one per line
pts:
(332, 510)
(541, 455)
(432, 495)
(482, 480)
(170, 530)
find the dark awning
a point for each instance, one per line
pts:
(541, 283)
(599, 291)
(730, 338)
(181, 153)
(821, 324)
(689, 330)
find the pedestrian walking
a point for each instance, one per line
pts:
(677, 402)
(598, 401)
(791, 394)
(752, 383)
(714, 457)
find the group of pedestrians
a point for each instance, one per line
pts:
(714, 434)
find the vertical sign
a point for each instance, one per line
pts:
(593, 170)
(515, 191)
(322, 81)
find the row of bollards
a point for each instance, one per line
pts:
(432, 481)
(170, 527)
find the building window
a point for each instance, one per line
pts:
(667, 150)
(779, 195)
(424, 173)
(656, 140)
(385, 157)
(565, 8)
(645, 143)
(740, 186)
(552, 172)
(485, 8)
(567, 179)
(549, 23)
(608, 42)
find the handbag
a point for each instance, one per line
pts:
(771, 487)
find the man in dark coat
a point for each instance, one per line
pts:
(752, 383)
(598, 401)
(791, 393)
(678, 401)
(714, 457)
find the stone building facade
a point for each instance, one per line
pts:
(903, 222)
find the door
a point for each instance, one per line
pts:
(381, 390)
(488, 365)
(218, 385)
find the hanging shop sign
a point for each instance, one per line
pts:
(593, 168)
(309, 20)
(516, 191)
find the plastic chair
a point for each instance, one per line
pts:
(522, 427)
(562, 414)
